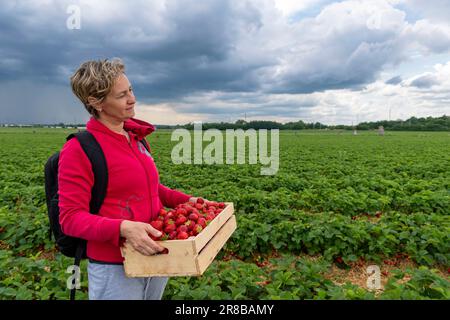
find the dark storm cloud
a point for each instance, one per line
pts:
(190, 51)
(176, 49)
(194, 48)
(195, 53)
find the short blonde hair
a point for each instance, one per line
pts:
(96, 79)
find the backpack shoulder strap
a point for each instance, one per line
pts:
(99, 167)
(146, 145)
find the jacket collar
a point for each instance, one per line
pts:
(138, 129)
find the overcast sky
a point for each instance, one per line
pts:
(337, 62)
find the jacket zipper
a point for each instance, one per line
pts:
(146, 175)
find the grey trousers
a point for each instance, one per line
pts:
(109, 282)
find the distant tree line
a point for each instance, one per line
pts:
(411, 124)
(242, 124)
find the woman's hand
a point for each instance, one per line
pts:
(137, 234)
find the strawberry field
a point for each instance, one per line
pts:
(338, 204)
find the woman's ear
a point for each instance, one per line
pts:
(95, 103)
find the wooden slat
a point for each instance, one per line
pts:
(160, 266)
(202, 239)
(182, 248)
(213, 247)
(139, 265)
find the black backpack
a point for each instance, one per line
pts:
(70, 246)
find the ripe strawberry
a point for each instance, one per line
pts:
(180, 220)
(168, 221)
(181, 211)
(211, 208)
(190, 224)
(221, 205)
(339, 260)
(201, 222)
(182, 235)
(182, 228)
(197, 229)
(170, 228)
(170, 215)
(173, 235)
(162, 212)
(210, 216)
(193, 216)
(218, 211)
(200, 200)
(198, 206)
(157, 224)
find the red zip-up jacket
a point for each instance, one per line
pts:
(133, 193)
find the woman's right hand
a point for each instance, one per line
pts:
(137, 234)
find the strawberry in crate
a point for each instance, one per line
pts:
(186, 219)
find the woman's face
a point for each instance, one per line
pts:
(119, 103)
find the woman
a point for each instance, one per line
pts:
(134, 195)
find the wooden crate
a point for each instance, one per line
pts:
(188, 257)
